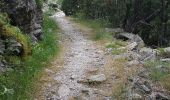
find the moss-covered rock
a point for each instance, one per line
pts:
(17, 38)
(26, 15)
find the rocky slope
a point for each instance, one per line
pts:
(25, 15)
(150, 78)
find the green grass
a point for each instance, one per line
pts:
(39, 2)
(20, 82)
(155, 73)
(118, 52)
(98, 26)
(116, 44)
(163, 53)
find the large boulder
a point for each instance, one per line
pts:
(96, 78)
(132, 37)
(25, 14)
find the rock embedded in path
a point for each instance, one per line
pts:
(136, 96)
(63, 91)
(133, 63)
(86, 91)
(73, 77)
(96, 78)
(92, 70)
(132, 46)
(108, 98)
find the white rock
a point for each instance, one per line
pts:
(63, 91)
(97, 78)
(136, 96)
(73, 77)
(132, 63)
(166, 60)
(167, 49)
(132, 46)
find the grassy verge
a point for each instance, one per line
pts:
(97, 26)
(159, 72)
(18, 84)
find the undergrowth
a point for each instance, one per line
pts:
(18, 84)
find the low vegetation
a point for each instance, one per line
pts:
(159, 72)
(97, 26)
(148, 18)
(18, 84)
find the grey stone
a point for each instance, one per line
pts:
(97, 78)
(142, 85)
(159, 96)
(85, 91)
(132, 46)
(108, 98)
(73, 77)
(134, 56)
(146, 89)
(63, 91)
(147, 54)
(25, 14)
(165, 60)
(132, 63)
(167, 49)
(163, 69)
(136, 96)
(132, 37)
(13, 47)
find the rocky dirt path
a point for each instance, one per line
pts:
(87, 70)
(82, 74)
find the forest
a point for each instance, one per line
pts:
(84, 49)
(148, 18)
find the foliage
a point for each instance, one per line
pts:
(148, 18)
(39, 2)
(19, 82)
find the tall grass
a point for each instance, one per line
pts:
(18, 84)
